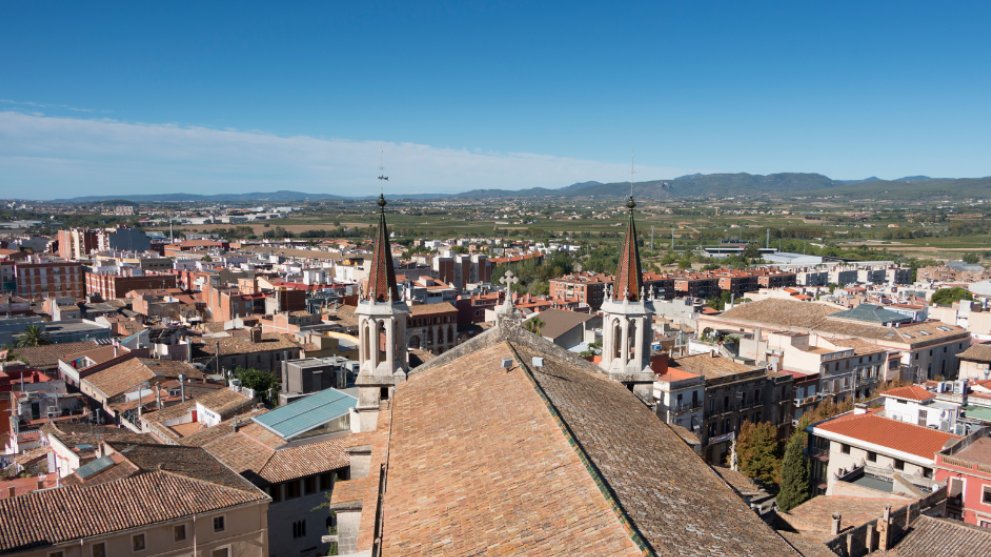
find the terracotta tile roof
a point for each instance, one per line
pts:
(711, 366)
(571, 462)
(435, 486)
(243, 453)
(306, 459)
(72, 512)
(900, 436)
(938, 536)
(74, 435)
(244, 345)
(977, 353)
(910, 392)
(349, 492)
(814, 316)
(674, 374)
(738, 480)
(813, 518)
(47, 356)
(629, 276)
(222, 401)
(257, 454)
(381, 274)
(22, 486)
(418, 310)
(559, 321)
(120, 378)
(99, 354)
(860, 347)
(222, 429)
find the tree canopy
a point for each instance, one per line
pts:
(33, 335)
(946, 296)
(757, 452)
(794, 473)
(265, 384)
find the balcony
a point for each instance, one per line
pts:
(680, 409)
(805, 401)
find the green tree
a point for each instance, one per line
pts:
(757, 452)
(971, 258)
(33, 335)
(751, 253)
(794, 473)
(534, 325)
(266, 385)
(946, 296)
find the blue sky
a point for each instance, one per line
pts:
(246, 96)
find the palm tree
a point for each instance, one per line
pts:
(33, 335)
(534, 324)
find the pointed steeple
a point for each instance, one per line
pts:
(628, 283)
(381, 276)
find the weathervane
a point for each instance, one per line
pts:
(382, 175)
(633, 158)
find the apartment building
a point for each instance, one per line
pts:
(112, 285)
(736, 393)
(77, 243)
(40, 279)
(870, 452)
(919, 351)
(916, 405)
(586, 288)
(697, 285)
(432, 327)
(680, 398)
(135, 499)
(845, 368)
(964, 467)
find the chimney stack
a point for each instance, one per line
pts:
(835, 528)
(884, 530)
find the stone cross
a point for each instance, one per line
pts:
(507, 310)
(509, 279)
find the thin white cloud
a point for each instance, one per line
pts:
(34, 105)
(54, 156)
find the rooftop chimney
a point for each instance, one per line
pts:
(835, 528)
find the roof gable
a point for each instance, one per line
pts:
(464, 424)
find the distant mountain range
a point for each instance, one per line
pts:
(784, 184)
(271, 196)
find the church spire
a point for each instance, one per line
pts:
(628, 283)
(381, 275)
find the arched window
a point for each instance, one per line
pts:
(383, 341)
(631, 344)
(617, 339)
